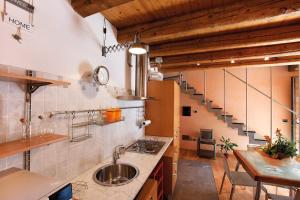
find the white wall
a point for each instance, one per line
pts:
(63, 43)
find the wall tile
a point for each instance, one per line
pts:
(65, 160)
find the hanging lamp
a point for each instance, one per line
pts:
(137, 48)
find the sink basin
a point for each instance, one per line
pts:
(115, 175)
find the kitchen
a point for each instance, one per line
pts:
(61, 83)
(105, 99)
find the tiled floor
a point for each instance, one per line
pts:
(243, 193)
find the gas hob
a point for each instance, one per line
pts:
(146, 146)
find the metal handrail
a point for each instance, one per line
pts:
(179, 76)
(264, 94)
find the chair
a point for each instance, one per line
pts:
(236, 178)
(280, 197)
(206, 137)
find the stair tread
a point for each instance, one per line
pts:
(260, 139)
(250, 131)
(227, 115)
(237, 123)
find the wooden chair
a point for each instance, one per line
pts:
(236, 178)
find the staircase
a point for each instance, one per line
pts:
(220, 114)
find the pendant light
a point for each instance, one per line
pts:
(137, 47)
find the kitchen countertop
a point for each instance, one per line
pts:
(144, 162)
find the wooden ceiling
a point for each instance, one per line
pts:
(211, 33)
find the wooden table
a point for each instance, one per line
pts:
(265, 169)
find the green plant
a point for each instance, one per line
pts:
(281, 148)
(226, 145)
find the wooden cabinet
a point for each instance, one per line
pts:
(164, 113)
(149, 191)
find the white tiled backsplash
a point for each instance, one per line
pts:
(65, 160)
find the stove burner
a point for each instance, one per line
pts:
(146, 146)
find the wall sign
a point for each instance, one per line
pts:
(14, 21)
(22, 4)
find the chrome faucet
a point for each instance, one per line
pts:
(118, 150)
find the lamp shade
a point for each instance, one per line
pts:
(137, 48)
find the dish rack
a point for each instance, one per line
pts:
(92, 119)
(79, 121)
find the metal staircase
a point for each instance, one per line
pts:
(220, 113)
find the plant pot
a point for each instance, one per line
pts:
(281, 156)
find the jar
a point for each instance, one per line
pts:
(110, 115)
(118, 113)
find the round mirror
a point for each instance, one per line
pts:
(101, 75)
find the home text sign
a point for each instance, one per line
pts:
(22, 4)
(18, 23)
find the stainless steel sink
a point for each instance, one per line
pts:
(115, 175)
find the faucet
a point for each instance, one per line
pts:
(118, 150)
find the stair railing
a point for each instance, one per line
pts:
(246, 100)
(225, 94)
(272, 100)
(178, 77)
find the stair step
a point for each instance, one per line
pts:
(237, 123)
(249, 131)
(260, 139)
(226, 115)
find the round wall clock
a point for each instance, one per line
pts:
(101, 75)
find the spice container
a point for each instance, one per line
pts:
(109, 115)
(118, 114)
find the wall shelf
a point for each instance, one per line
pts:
(20, 146)
(12, 77)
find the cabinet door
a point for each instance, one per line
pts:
(161, 110)
(149, 191)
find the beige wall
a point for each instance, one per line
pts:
(258, 105)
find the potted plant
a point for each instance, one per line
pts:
(226, 145)
(281, 148)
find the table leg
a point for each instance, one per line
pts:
(237, 166)
(223, 179)
(258, 189)
(214, 152)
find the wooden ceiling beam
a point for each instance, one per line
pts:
(279, 50)
(281, 61)
(234, 17)
(263, 37)
(88, 7)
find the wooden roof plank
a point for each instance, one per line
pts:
(280, 50)
(262, 37)
(238, 16)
